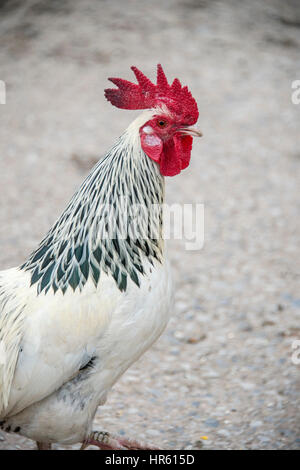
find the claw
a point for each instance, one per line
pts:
(107, 441)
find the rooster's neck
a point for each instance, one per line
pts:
(123, 192)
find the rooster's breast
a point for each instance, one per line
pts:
(138, 320)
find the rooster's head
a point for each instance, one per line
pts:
(166, 136)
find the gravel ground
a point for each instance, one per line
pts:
(222, 375)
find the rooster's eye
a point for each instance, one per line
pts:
(161, 123)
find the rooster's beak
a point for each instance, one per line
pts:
(191, 131)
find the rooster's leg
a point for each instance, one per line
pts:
(107, 441)
(43, 445)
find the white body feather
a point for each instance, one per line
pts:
(59, 331)
(49, 337)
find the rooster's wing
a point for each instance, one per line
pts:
(45, 339)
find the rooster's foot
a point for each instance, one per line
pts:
(107, 441)
(43, 446)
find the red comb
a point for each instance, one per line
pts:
(145, 95)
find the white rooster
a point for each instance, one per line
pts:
(90, 300)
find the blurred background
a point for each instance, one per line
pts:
(222, 374)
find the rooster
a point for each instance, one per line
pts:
(92, 298)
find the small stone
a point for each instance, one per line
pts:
(198, 444)
(132, 411)
(211, 422)
(195, 339)
(256, 424)
(179, 335)
(247, 385)
(267, 323)
(245, 326)
(153, 432)
(264, 439)
(223, 433)
(188, 447)
(211, 374)
(286, 432)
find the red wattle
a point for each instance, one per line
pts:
(176, 155)
(185, 143)
(172, 155)
(170, 164)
